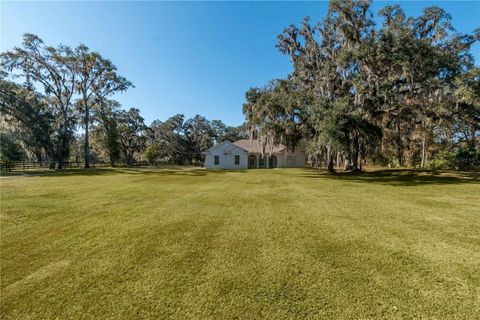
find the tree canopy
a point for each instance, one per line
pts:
(392, 90)
(73, 82)
(48, 93)
(387, 93)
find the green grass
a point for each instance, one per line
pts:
(259, 244)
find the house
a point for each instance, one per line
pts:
(246, 153)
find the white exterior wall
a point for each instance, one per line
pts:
(284, 157)
(226, 152)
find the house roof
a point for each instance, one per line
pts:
(226, 142)
(255, 146)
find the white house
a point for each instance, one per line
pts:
(246, 153)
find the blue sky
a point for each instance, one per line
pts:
(187, 57)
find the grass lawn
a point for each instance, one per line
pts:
(258, 244)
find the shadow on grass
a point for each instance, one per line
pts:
(60, 173)
(399, 177)
(394, 177)
(152, 171)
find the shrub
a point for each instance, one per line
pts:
(463, 159)
(153, 154)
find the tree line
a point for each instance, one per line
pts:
(392, 90)
(396, 90)
(184, 141)
(47, 94)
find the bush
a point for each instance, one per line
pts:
(467, 160)
(440, 163)
(153, 154)
(464, 159)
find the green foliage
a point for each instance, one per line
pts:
(184, 141)
(105, 129)
(274, 113)
(358, 88)
(395, 92)
(132, 133)
(442, 161)
(463, 159)
(97, 79)
(77, 85)
(153, 154)
(10, 149)
(198, 136)
(53, 69)
(74, 82)
(26, 112)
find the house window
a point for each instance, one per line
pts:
(216, 160)
(237, 160)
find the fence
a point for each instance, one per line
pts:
(25, 166)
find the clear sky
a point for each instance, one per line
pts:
(187, 57)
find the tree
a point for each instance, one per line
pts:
(106, 118)
(356, 86)
(183, 141)
(11, 149)
(68, 78)
(233, 134)
(132, 133)
(54, 70)
(169, 137)
(97, 79)
(466, 114)
(153, 154)
(222, 132)
(219, 130)
(274, 113)
(26, 111)
(199, 137)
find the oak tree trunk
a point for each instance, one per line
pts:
(86, 146)
(330, 167)
(424, 152)
(355, 153)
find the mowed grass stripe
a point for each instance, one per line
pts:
(283, 244)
